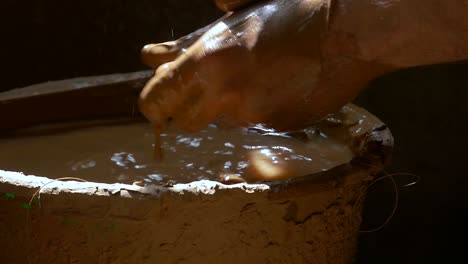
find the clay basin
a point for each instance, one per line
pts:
(313, 218)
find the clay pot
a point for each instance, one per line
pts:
(311, 219)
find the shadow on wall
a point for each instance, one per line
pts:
(46, 40)
(426, 108)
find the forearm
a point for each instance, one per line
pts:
(400, 33)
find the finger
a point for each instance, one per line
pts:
(175, 95)
(182, 92)
(188, 90)
(173, 92)
(231, 5)
(154, 55)
(158, 98)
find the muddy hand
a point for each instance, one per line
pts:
(258, 64)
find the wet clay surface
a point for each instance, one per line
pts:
(122, 152)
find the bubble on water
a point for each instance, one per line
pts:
(229, 145)
(156, 177)
(192, 142)
(227, 164)
(282, 148)
(123, 159)
(253, 147)
(86, 164)
(242, 165)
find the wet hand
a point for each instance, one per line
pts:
(259, 64)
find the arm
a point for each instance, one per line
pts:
(257, 65)
(402, 33)
(290, 63)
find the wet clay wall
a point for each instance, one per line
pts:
(425, 107)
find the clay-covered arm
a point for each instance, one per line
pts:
(290, 63)
(401, 33)
(260, 64)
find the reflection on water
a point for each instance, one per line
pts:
(123, 153)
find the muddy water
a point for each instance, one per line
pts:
(124, 153)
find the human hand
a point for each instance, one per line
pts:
(260, 64)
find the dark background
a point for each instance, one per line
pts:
(426, 108)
